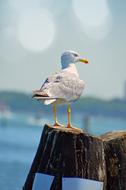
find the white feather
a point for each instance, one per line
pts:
(47, 102)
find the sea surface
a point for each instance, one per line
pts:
(20, 135)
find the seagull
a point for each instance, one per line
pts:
(64, 86)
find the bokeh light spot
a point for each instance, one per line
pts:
(36, 30)
(94, 16)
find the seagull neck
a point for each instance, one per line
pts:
(72, 69)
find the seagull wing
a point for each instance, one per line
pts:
(63, 85)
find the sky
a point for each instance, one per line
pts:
(34, 34)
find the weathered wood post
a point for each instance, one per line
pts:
(115, 158)
(64, 152)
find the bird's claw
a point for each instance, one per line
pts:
(58, 124)
(69, 125)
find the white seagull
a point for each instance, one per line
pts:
(64, 86)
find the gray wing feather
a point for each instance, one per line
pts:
(62, 85)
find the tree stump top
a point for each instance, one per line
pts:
(73, 130)
(113, 135)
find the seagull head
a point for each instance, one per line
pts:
(71, 57)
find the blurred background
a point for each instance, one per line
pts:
(33, 35)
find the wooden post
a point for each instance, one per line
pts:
(115, 157)
(64, 152)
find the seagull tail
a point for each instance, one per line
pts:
(39, 95)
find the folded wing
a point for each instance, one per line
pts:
(62, 85)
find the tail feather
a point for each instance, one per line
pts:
(42, 96)
(39, 94)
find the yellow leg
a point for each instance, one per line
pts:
(69, 119)
(55, 115)
(69, 116)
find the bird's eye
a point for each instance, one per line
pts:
(76, 55)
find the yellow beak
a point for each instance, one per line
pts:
(83, 60)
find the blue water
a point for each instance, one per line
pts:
(19, 138)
